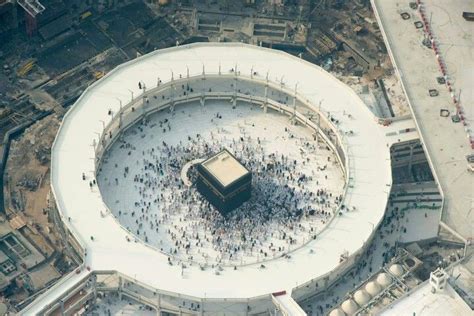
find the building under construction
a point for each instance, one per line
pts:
(51, 51)
(31, 9)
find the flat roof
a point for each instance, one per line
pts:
(368, 190)
(225, 167)
(422, 301)
(446, 143)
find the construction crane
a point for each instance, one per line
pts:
(32, 9)
(99, 74)
(25, 68)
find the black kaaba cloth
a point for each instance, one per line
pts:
(224, 181)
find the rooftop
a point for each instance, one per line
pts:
(446, 142)
(225, 167)
(367, 192)
(423, 302)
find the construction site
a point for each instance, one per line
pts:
(51, 51)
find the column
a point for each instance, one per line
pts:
(120, 287)
(158, 306)
(235, 89)
(172, 97)
(410, 161)
(265, 105)
(94, 288)
(293, 117)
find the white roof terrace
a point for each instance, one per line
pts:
(367, 191)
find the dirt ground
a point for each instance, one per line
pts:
(28, 184)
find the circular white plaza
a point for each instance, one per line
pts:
(270, 103)
(296, 184)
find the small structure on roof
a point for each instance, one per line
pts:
(337, 312)
(373, 288)
(438, 280)
(384, 280)
(361, 297)
(349, 307)
(224, 181)
(396, 270)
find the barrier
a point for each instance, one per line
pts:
(443, 68)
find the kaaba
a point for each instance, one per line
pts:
(224, 181)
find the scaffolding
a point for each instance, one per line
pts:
(32, 9)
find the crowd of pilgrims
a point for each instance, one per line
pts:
(283, 212)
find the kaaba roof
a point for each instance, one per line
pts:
(225, 167)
